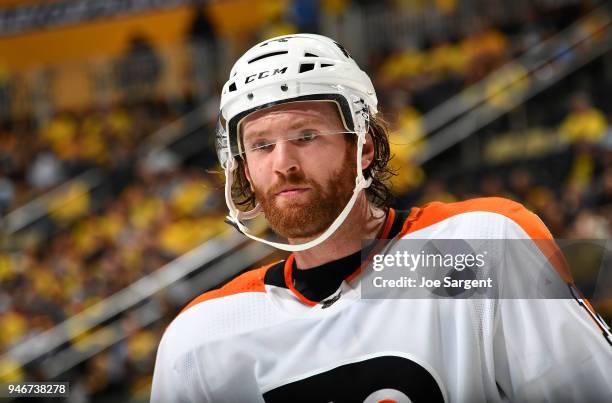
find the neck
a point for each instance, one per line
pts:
(363, 222)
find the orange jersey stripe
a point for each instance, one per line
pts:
(289, 281)
(251, 281)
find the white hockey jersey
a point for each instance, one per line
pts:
(277, 334)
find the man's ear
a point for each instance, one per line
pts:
(367, 152)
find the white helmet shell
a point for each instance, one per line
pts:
(294, 68)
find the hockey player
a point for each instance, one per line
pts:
(300, 141)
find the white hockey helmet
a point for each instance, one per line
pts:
(292, 68)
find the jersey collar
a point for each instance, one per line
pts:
(317, 283)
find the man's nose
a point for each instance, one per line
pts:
(285, 158)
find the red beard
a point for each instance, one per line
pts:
(314, 213)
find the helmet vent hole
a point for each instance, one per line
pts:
(284, 87)
(281, 52)
(306, 67)
(326, 65)
(232, 87)
(250, 96)
(310, 55)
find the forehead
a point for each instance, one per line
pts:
(293, 112)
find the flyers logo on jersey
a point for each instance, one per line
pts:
(383, 379)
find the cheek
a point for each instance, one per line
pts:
(326, 167)
(257, 174)
(324, 170)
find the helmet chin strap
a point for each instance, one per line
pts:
(236, 216)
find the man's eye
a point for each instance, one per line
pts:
(305, 137)
(261, 145)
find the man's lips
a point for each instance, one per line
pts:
(291, 191)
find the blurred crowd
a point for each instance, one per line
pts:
(156, 218)
(155, 211)
(37, 159)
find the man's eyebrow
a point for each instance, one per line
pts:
(261, 133)
(300, 123)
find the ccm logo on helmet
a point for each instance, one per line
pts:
(264, 74)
